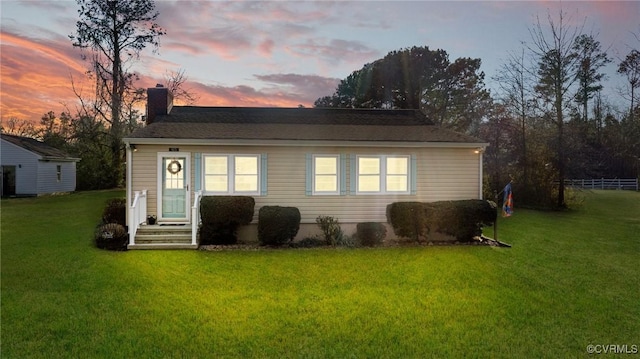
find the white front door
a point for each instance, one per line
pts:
(173, 187)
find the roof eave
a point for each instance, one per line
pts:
(59, 159)
(298, 143)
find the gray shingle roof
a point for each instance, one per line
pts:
(305, 124)
(37, 147)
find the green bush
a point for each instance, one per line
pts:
(408, 220)
(346, 241)
(217, 233)
(461, 219)
(370, 233)
(330, 229)
(222, 215)
(115, 211)
(111, 236)
(277, 225)
(309, 242)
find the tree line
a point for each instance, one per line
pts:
(548, 121)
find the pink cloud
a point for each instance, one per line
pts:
(36, 75)
(244, 96)
(335, 50)
(232, 29)
(266, 47)
(308, 88)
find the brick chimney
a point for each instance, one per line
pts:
(159, 102)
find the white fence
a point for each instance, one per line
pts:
(603, 183)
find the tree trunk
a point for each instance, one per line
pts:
(117, 90)
(561, 160)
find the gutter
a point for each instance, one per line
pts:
(300, 143)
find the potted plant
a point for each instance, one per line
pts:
(151, 219)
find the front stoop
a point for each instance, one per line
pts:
(163, 237)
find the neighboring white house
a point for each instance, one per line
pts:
(32, 168)
(345, 163)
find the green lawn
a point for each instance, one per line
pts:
(570, 280)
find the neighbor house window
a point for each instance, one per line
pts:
(382, 174)
(231, 174)
(59, 173)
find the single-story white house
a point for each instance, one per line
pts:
(33, 168)
(345, 163)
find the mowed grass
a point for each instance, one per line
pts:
(571, 279)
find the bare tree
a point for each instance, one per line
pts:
(18, 127)
(176, 83)
(556, 74)
(630, 67)
(516, 86)
(115, 31)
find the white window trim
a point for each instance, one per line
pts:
(383, 175)
(313, 176)
(231, 174)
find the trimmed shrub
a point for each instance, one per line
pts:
(370, 233)
(461, 219)
(277, 225)
(115, 211)
(224, 209)
(330, 229)
(111, 236)
(408, 219)
(222, 215)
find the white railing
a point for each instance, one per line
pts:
(603, 183)
(137, 214)
(195, 217)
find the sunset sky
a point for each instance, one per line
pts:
(282, 53)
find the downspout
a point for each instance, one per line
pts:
(480, 180)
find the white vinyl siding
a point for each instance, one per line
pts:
(231, 174)
(35, 176)
(50, 180)
(440, 174)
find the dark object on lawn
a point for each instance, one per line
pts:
(111, 236)
(278, 225)
(492, 242)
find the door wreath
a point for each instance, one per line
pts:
(174, 167)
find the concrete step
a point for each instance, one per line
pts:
(162, 246)
(163, 237)
(160, 230)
